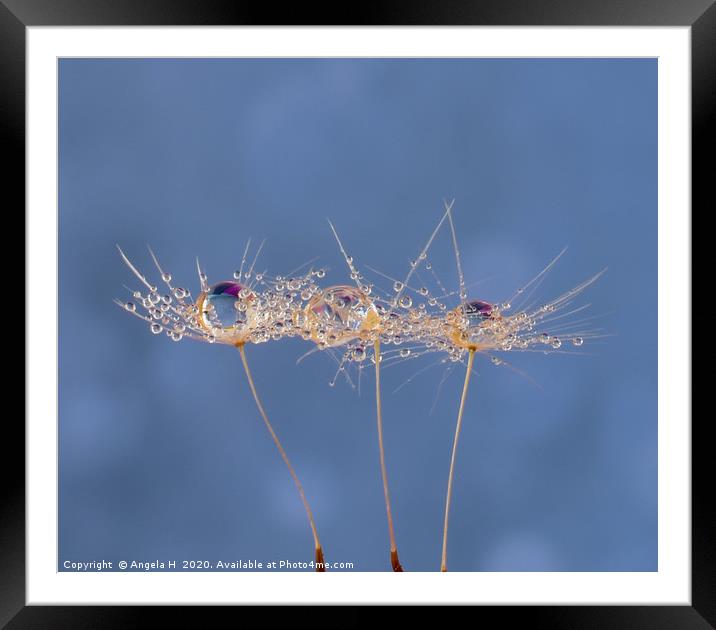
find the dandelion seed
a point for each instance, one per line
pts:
(477, 326)
(232, 313)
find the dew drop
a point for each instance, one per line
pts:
(156, 328)
(130, 307)
(397, 286)
(405, 352)
(406, 301)
(555, 343)
(577, 341)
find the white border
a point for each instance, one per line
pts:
(670, 585)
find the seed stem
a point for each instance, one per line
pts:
(458, 426)
(394, 561)
(320, 563)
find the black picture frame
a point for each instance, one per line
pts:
(16, 15)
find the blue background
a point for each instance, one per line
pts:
(162, 453)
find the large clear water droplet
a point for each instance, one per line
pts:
(220, 306)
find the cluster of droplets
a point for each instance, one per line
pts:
(251, 308)
(486, 327)
(413, 321)
(350, 321)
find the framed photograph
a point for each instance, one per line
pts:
(403, 292)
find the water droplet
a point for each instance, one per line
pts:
(224, 307)
(156, 328)
(555, 343)
(398, 286)
(496, 361)
(130, 307)
(577, 341)
(406, 301)
(405, 353)
(167, 277)
(342, 310)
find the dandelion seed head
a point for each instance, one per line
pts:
(229, 312)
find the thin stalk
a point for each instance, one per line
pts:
(458, 426)
(320, 562)
(391, 532)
